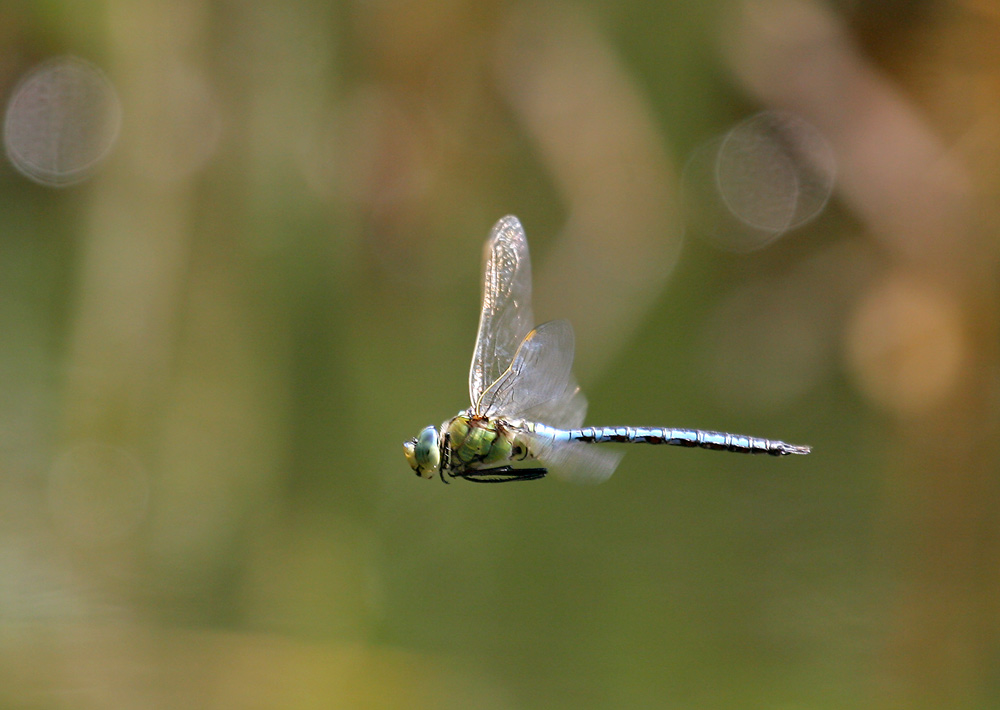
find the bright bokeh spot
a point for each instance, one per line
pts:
(179, 135)
(906, 346)
(768, 175)
(61, 121)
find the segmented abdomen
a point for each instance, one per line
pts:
(717, 440)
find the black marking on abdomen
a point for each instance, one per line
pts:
(691, 438)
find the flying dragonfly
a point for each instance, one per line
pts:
(526, 418)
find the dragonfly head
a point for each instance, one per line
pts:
(423, 453)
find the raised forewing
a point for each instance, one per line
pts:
(506, 315)
(539, 378)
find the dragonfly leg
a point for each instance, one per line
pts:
(503, 474)
(445, 458)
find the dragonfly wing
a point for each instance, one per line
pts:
(506, 316)
(572, 460)
(566, 411)
(539, 376)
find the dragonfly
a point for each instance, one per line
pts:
(527, 412)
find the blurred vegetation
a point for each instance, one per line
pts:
(216, 340)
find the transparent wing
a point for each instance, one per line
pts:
(539, 379)
(506, 315)
(565, 411)
(572, 460)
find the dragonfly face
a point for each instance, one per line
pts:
(423, 453)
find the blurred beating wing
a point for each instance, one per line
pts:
(572, 460)
(506, 315)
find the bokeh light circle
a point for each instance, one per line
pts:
(775, 171)
(63, 118)
(906, 345)
(766, 176)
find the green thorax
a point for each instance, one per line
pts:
(479, 442)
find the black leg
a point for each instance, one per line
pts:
(503, 474)
(445, 457)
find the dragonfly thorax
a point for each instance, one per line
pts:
(475, 442)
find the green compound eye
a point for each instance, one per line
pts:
(423, 453)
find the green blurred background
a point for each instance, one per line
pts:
(215, 342)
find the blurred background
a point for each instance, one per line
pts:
(240, 250)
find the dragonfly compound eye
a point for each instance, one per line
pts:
(423, 453)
